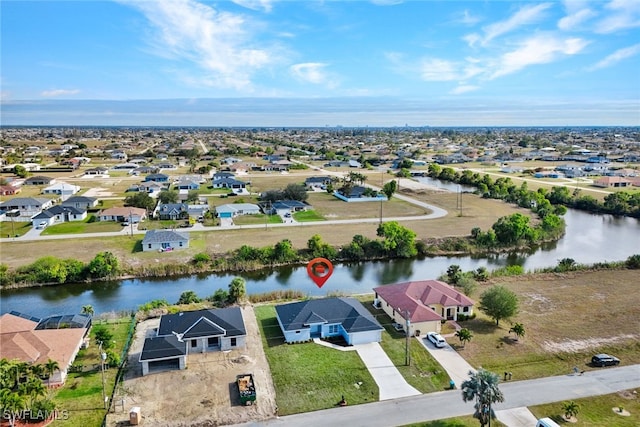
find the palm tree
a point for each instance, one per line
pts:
(32, 389)
(518, 330)
(7, 374)
(570, 409)
(482, 387)
(464, 335)
(88, 309)
(51, 366)
(12, 404)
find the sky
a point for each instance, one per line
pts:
(320, 63)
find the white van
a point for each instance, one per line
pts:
(546, 422)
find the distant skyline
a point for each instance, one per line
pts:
(320, 63)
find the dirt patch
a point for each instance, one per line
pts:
(98, 192)
(205, 393)
(575, 346)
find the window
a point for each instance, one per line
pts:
(213, 342)
(234, 342)
(194, 343)
(333, 329)
(149, 245)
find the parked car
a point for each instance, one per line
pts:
(436, 339)
(41, 225)
(604, 360)
(398, 326)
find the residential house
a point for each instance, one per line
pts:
(81, 202)
(156, 177)
(317, 182)
(62, 189)
(196, 211)
(39, 180)
(9, 190)
(124, 213)
(612, 182)
(282, 207)
(59, 213)
(425, 303)
(234, 185)
(234, 209)
(327, 318)
(36, 341)
(163, 240)
(125, 166)
(98, 171)
(187, 185)
(222, 175)
(172, 211)
(192, 332)
(358, 193)
(27, 206)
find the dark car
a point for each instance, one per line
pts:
(604, 360)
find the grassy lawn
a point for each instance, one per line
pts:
(425, 374)
(77, 227)
(562, 328)
(81, 395)
(311, 215)
(9, 229)
(309, 377)
(257, 219)
(596, 411)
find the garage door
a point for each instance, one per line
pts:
(164, 365)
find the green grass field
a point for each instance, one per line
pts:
(81, 395)
(306, 216)
(596, 411)
(308, 377)
(77, 227)
(12, 229)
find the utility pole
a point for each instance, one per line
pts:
(381, 188)
(103, 358)
(407, 355)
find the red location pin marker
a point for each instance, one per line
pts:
(319, 269)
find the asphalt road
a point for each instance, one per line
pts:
(447, 404)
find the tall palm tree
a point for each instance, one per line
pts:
(464, 335)
(7, 374)
(51, 366)
(482, 387)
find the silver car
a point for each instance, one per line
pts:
(436, 339)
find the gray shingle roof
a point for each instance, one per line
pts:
(219, 320)
(163, 236)
(347, 311)
(163, 347)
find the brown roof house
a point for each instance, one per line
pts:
(35, 341)
(426, 303)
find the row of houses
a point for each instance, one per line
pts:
(423, 305)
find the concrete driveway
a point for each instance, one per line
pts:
(457, 368)
(516, 417)
(391, 383)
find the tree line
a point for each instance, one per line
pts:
(541, 200)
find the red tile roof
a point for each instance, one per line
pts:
(416, 297)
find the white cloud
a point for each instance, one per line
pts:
(525, 15)
(311, 72)
(617, 56)
(264, 5)
(59, 92)
(539, 49)
(463, 89)
(624, 14)
(438, 70)
(573, 20)
(466, 18)
(218, 42)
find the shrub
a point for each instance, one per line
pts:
(633, 262)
